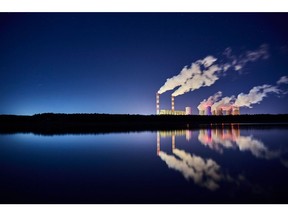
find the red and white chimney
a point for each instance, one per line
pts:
(172, 104)
(157, 103)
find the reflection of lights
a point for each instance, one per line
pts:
(229, 137)
(158, 143)
(188, 135)
(205, 173)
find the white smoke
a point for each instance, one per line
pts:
(200, 79)
(250, 56)
(209, 101)
(283, 80)
(187, 73)
(205, 72)
(255, 95)
(225, 103)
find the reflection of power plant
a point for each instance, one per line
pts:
(228, 136)
(204, 172)
(188, 110)
(172, 134)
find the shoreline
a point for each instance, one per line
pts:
(50, 123)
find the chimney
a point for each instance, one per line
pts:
(157, 103)
(172, 103)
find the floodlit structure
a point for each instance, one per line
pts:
(236, 110)
(208, 110)
(187, 111)
(157, 103)
(201, 112)
(219, 111)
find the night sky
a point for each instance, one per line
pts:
(116, 62)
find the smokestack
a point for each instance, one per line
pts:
(157, 103)
(172, 103)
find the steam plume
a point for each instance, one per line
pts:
(225, 103)
(209, 101)
(186, 74)
(283, 80)
(255, 95)
(249, 56)
(205, 72)
(200, 79)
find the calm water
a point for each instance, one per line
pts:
(201, 166)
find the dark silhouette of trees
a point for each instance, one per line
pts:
(50, 123)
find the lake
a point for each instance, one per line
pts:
(228, 164)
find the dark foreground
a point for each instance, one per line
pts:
(224, 164)
(49, 123)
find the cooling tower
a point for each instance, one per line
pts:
(208, 110)
(188, 110)
(157, 104)
(228, 111)
(236, 111)
(219, 111)
(201, 112)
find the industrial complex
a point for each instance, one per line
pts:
(230, 110)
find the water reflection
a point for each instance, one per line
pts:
(229, 137)
(204, 171)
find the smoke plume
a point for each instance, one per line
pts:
(250, 56)
(225, 103)
(209, 101)
(187, 73)
(205, 72)
(255, 95)
(283, 80)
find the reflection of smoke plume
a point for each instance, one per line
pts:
(209, 101)
(249, 56)
(232, 139)
(224, 103)
(255, 95)
(202, 172)
(205, 72)
(256, 147)
(207, 167)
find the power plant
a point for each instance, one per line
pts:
(207, 110)
(231, 110)
(187, 111)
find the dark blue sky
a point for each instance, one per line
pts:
(116, 62)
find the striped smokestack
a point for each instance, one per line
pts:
(157, 104)
(172, 103)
